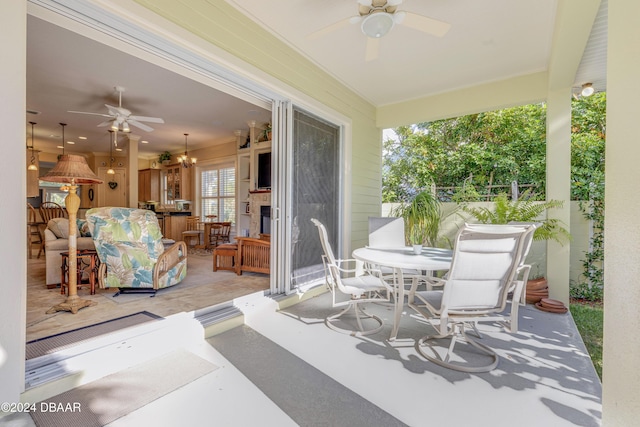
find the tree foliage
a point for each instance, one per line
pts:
(495, 147)
(499, 147)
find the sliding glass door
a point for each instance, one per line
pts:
(315, 192)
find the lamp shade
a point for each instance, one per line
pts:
(377, 25)
(72, 168)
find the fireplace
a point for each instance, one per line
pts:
(260, 212)
(265, 219)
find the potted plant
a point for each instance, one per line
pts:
(421, 219)
(266, 134)
(524, 209)
(165, 158)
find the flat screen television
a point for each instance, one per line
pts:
(264, 170)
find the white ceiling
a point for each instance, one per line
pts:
(489, 40)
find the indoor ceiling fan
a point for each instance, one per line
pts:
(119, 118)
(378, 17)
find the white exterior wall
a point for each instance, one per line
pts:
(621, 361)
(13, 216)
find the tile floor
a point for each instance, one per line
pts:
(201, 288)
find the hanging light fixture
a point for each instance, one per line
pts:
(186, 161)
(110, 171)
(63, 125)
(32, 166)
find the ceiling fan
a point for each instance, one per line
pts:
(120, 118)
(378, 17)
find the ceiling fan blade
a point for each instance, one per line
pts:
(92, 114)
(140, 125)
(145, 119)
(105, 123)
(425, 24)
(372, 49)
(330, 28)
(117, 111)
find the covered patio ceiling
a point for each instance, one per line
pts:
(485, 42)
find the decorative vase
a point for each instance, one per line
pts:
(417, 249)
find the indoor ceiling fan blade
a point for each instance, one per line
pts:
(372, 49)
(424, 24)
(145, 119)
(139, 125)
(330, 28)
(117, 111)
(92, 114)
(105, 123)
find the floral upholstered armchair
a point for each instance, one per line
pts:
(132, 255)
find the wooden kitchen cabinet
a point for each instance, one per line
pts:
(149, 185)
(178, 182)
(178, 225)
(173, 226)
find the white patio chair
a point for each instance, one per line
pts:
(388, 233)
(361, 289)
(519, 284)
(485, 262)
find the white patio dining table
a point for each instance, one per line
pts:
(399, 259)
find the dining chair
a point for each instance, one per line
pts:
(220, 233)
(50, 210)
(34, 231)
(192, 232)
(486, 259)
(361, 289)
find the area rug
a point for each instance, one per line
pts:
(105, 400)
(64, 340)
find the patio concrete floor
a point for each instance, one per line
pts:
(287, 368)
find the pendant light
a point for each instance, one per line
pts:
(110, 171)
(32, 166)
(185, 160)
(63, 125)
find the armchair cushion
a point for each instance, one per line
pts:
(59, 227)
(129, 244)
(56, 244)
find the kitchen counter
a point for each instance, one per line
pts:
(172, 212)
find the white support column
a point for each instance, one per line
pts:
(559, 187)
(621, 371)
(132, 170)
(13, 217)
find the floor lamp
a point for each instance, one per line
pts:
(72, 170)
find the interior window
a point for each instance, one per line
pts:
(218, 192)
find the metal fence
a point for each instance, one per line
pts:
(486, 193)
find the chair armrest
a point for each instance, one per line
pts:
(169, 259)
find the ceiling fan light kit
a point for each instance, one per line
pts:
(378, 17)
(120, 119)
(377, 24)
